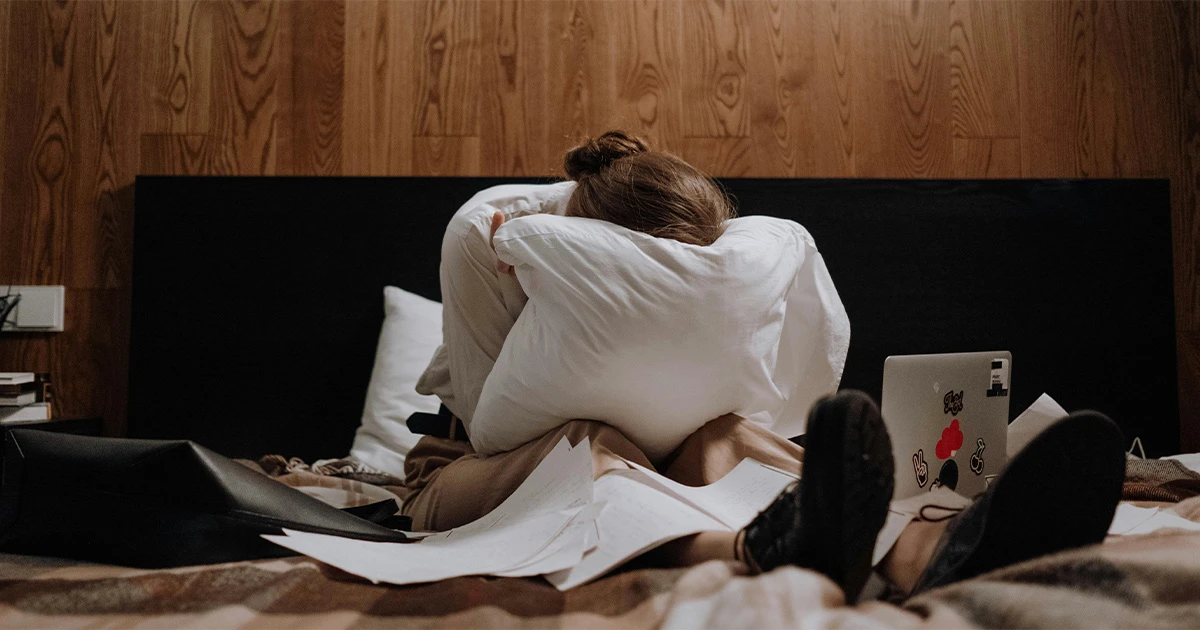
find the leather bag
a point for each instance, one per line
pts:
(152, 503)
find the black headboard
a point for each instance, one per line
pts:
(257, 301)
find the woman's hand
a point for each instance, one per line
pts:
(501, 266)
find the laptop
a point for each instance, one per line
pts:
(948, 419)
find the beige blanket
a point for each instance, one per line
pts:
(1145, 581)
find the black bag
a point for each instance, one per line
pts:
(152, 503)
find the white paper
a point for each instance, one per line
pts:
(901, 512)
(734, 499)
(483, 552)
(1163, 520)
(561, 481)
(1128, 517)
(1042, 413)
(1191, 461)
(520, 534)
(636, 518)
(565, 551)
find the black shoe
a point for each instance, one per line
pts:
(828, 521)
(1059, 492)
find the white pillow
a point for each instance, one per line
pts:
(412, 331)
(656, 337)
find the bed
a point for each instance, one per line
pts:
(257, 304)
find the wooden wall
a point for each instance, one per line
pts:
(96, 92)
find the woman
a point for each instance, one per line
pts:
(830, 519)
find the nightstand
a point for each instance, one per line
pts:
(76, 426)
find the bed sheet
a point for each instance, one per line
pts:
(1150, 580)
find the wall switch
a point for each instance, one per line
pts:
(40, 309)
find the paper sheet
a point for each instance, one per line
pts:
(1128, 517)
(1042, 413)
(636, 518)
(1160, 519)
(566, 550)
(542, 526)
(483, 552)
(562, 480)
(902, 511)
(734, 499)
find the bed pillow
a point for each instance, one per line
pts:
(412, 331)
(657, 337)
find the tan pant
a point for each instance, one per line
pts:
(449, 485)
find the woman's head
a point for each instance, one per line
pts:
(622, 181)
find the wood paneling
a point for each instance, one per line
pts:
(987, 157)
(97, 92)
(983, 70)
(377, 91)
(716, 43)
(447, 62)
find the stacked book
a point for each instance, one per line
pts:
(24, 397)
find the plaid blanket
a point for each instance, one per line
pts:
(1142, 581)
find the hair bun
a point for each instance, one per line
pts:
(595, 154)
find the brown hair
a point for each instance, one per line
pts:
(622, 181)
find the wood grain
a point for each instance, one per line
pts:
(734, 156)
(446, 155)
(571, 30)
(42, 234)
(783, 65)
(987, 157)
(448, 68)
(247, 62)
(918, 36)
(317, 87)
(97, 92)
(177, 154)
(1189, 391)
(984, 94)
(1185, 180)
(4, 38)
(1057, 58)
(177, 38)
(104, 95)
(512, 69)
(644, 93)
(378, 97)
(716, 44)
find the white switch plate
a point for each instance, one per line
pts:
(40, 309)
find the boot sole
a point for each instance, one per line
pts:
(847, 483)
(1060, 492)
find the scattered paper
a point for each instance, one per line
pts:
(1163, 519)
(543, 526)
(1042, 413)
(1128, 517)
(734, 499)
(560, 523)
(940, 501)
(481, 553)
(565, 551)
(636, 518)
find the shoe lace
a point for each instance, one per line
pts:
(952, 512)
(765, 542)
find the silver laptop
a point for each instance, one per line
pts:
(948, 419)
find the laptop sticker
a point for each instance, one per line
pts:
(948, 477)
(952, 440)
(953, 403)
(999, 382)
(977, 457)
(920, 468)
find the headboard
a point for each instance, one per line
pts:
(257, 301)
